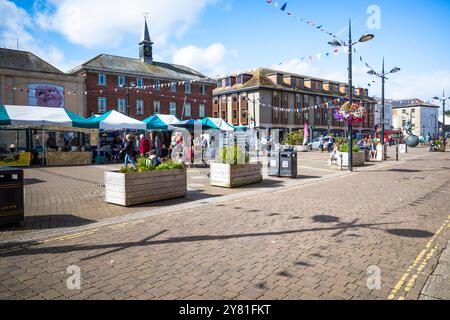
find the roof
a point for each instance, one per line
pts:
(116, 64)
(23, 60)
(412, 103)
(260, 78)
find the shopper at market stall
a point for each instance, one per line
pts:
(144, 145)
(128, 150)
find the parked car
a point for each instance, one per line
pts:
(316, 143)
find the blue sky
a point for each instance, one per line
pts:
(217, 36)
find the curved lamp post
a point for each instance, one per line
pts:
(350, 44)
(443, 100)
(383, 75)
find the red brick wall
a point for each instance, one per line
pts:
(93, 92)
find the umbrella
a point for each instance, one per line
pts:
(191, 124)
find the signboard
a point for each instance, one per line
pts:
(402, 148)
(16, 160)
(45, 95)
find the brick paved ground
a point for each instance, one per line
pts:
(296, 242)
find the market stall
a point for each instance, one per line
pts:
(217, 123)
(44, 136)
(113, 127)
(161, 122)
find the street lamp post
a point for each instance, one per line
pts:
(443, 99)
(131, 85)
(350, 44)
(383, 75)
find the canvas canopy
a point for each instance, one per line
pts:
(113, 120)
(41, 116)
(161, 122)
(218, 123)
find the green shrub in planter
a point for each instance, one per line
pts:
(344, 148)
(237, 154)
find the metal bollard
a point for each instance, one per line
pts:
(396, 152)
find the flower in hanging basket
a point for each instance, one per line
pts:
(352, 114)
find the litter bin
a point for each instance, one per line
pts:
(283, 164)
(11, 196)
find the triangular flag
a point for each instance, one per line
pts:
(284, 7)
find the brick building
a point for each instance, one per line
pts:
(142, 87)
(272, 99)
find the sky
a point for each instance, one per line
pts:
(218, 37)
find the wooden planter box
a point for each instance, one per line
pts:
(358, 159)
(231, 176)
(138, 188)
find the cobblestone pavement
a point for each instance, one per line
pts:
(438, 284)
(298, 241)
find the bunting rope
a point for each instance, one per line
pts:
(308, 22)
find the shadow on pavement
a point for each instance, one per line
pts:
(52, 221)
(410, 233)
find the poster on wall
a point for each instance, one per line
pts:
(45, 95)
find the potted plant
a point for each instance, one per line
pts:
(294, 139)
(145, 183)
(233, 169)
(358, 157)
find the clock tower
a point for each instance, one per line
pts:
(146, 46)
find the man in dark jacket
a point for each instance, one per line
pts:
(128, 150)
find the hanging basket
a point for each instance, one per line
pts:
(351, 114)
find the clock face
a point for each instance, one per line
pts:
(148, 51)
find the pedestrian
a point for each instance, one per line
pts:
(330, 144)
(321, 143)
(128, 150)
(144, 145)
(334, 155)
(154, 158)
(373, 149)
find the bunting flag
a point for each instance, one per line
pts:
(308, 22)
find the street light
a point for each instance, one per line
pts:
(350, 44)
(383, 75)
(443, 99)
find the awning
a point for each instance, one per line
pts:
(218, 123)
(113, 120)
(42, 116)
(161, 122)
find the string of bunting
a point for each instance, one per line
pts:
(362, 60)
(330, 105)
(150, 90)
(310, 23)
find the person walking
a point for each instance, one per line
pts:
(321, 143)
(144, 145)
(128, 150)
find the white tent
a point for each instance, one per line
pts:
(219, 123)
(113, 120)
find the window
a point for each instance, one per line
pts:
(173, 108)
(173, 87)
(156, 85)
(140, 107)
(187, 110)
(227, 82)
(121, 81)
(298, 98)
(306, 101)
(101, 105)
(201, 111)
(140, 82)
(121, 105)
(187, 87)
(240, 79)
(102, 79)
(202, 89)
(219, 84)
(156, 107)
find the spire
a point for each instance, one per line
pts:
(146, 35)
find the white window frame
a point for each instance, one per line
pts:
(121, 81)
(101, 105)
(202, 89)
(187, 87)
(201, 110)
(139, 107)
(119, 104)
(102, 79)
(173, 108)
(156, 85)
(187, 109)
(140, 82)
(156, 107)
(173, 87)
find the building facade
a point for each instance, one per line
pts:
(27, 80)
(422, 115)
(270, 99)
(143, 87)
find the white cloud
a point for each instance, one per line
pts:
(211, 60)
(14, 25)
(108, 22)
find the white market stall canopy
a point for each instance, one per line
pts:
(41, 116)
(113, 120)
(161, 122)
(218, 123)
